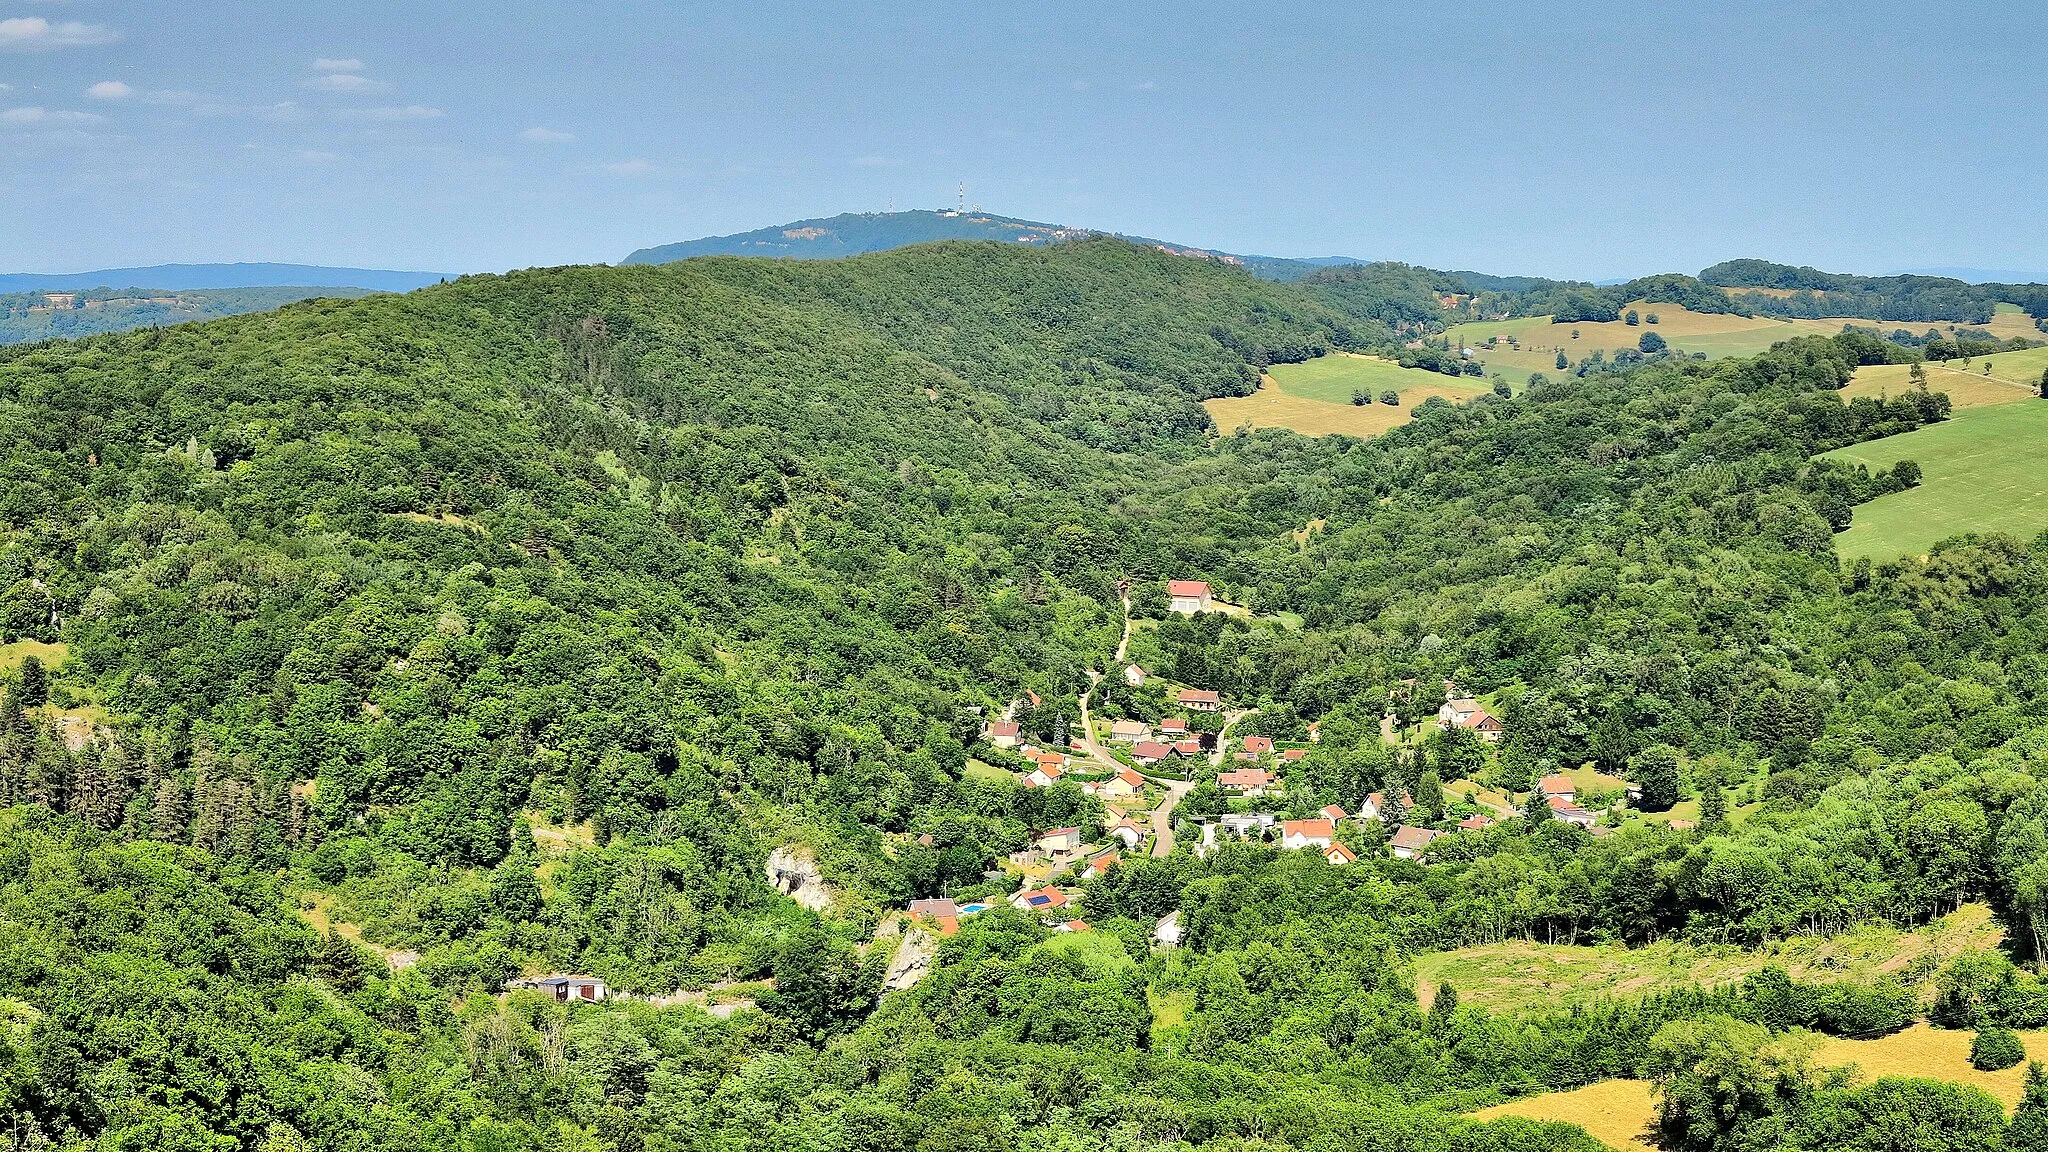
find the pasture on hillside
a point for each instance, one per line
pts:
(1314, 397)
(1522, 974)
(1980, 472)
(2001, 378)
(1716, 334)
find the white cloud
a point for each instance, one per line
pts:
(110, 90)
(325, 64)
(635, 167)
(34, 115)
(344, 82)
(35, 34)
(539, 135)
(409, 112)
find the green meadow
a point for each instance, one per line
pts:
(1333, 378)
(1981, 471)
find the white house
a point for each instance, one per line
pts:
(1307, 833)
(1134, 676)
(1044, 776)
(1188, 596)
(1200, 700)
(1004, 734)
(1168, 931)
(1128, 731)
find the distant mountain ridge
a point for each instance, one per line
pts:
(855, 233)
(191, 277)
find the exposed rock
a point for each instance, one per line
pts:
(794, 872)
(912, 961)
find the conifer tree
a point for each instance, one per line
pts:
(35, 683)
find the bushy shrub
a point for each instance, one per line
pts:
(1996, 1049)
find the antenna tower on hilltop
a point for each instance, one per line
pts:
(963, 197)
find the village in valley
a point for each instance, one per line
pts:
(1163, 765)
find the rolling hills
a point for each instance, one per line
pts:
(438, 642)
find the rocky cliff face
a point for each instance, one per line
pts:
(794, 872)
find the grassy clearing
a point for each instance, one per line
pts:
(1519, 974)
(11, 655)
(1169, 1009)
(559, 839)
(1335, 377)
(982, 770)
(1980, 472)
(1615, 1112)
(1271, 407)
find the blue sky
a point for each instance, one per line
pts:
(1568, 139)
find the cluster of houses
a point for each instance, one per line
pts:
(1562, 795)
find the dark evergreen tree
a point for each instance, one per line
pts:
(35, 683)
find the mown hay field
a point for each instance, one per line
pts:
(1618, 1113)
(1314, 398)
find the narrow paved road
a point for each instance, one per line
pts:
(1096, 751)
(1162, 816)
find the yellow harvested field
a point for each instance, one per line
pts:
(1618, 1113)
(2013, 376)
(1270, 407)
(1931, 1053)
(1615, 1112)
(1716, 334)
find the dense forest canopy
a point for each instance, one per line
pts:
(514, 622)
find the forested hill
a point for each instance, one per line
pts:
(512, 623)
(854, 233)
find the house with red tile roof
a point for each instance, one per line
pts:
(1486, 725)
(1337, 853)
(1569, 812)
(1004, 733)
(1291, 755)
(1557, 785)
(1044, 776)
(1039, 899)
(1249, 781)
(1199, 700)
(1188, 747)
(1072, 926)
(1150, 751)
(1257, 745)
(1124, 783)
(1173, 726)
(1188, 596)
(943, 915)
(1475, 823)
(1335, 812)
(1307, 833)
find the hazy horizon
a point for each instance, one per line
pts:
(1565, 143)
